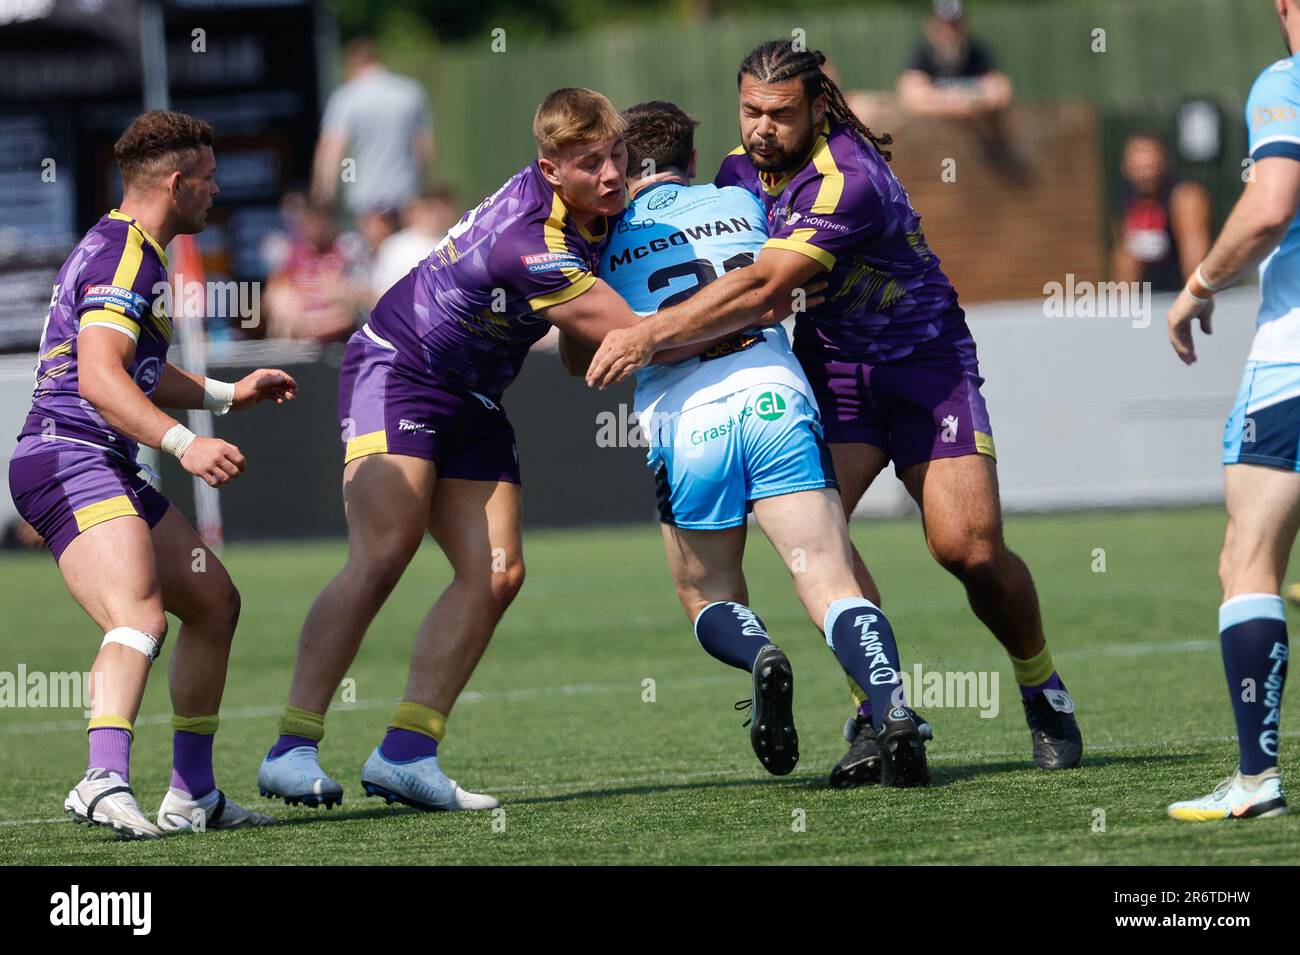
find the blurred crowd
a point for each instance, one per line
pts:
(370, 213)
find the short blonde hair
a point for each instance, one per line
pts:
(575, 115)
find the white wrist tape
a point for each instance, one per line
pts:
(177, 440)
(1194, 297)
(136, 640)
(218, 396)
(1200, 277)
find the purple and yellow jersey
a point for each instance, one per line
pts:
(475, 307)
(114, 278)
(886, 297)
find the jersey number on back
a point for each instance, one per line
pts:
(701, 270)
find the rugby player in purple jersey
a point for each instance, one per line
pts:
(126, 555)
(889, 355)
(429, 449)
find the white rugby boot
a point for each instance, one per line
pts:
(420, 783)
(179, 813)
(103, 798)
(296, 777)
(1236, 798)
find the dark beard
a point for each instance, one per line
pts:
(786, 161)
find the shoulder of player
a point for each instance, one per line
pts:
(1279, 78)
(836, 174)
(120, 252)
(736, 170)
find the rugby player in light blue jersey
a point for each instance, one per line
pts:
(1261, 442)
(736, 429)
(888, 353)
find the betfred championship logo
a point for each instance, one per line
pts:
(550, 261)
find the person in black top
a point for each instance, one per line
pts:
(952, 75)
(1162, 230)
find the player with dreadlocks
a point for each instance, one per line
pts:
(892, 364)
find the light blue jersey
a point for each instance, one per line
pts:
(739, 422)
(1273, 118)
(670, 242)
(1264, 426)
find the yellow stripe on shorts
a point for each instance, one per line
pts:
(376, 442)
(92, 514)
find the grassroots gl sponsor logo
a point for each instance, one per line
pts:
(769, 406)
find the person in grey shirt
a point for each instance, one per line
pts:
(381, 122)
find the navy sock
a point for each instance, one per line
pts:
(732, 633)
(1252, 635)
(863, 641)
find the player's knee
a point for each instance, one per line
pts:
(150, 623)
(972, 559)
(376, 572)
(232, 603)
(215, 608)
(1235, 569)
(505, 585)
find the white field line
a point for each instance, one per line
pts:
(576, 689)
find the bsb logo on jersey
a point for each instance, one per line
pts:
(551, 261)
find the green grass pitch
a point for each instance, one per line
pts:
(555, 722)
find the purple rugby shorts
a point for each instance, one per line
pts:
(63, 488)
(384, 408)
(913, 409)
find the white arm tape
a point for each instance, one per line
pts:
(1200, 277)
(177, 440)
(135, 639)
(218, 396)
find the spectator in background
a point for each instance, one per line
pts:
(425, 222)
(1163, 228)
(321, 290)
(381, 122)
(952, 75)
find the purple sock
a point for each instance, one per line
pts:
(1053, 682)
(286, 743)
(402, 745)
(192, 763)
(864, 709)
(110, 748)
